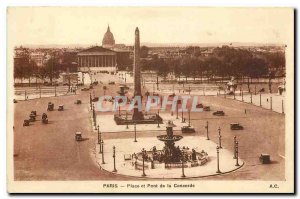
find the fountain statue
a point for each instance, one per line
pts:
(170, 156)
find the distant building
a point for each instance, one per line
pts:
(38, 57)
(97, 59)
(108, 39)
(21, 56)
(109, 57)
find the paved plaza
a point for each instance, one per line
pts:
(128, 147)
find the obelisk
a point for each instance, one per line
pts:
(137, 115)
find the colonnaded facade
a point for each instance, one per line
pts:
(107, 57)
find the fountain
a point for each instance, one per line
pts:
(170, 156)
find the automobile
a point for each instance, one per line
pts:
(77, 102)
(78, 136)
(187, 129)
(60, 107)
(85, 89)
(50, 106)
(265, 158)
(33, 112)
(206, 108)
(219, 113)
(236, 126)
(111, 83)
(96, 99)
(44, 118)
(199, 106)
(95, 83)
(26, 123)
(31, 117)
(66, 84)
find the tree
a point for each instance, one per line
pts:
(144, 52)
(255, 67)
(52, 68)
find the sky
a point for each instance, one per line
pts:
(87, 25)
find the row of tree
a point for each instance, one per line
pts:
(26, 68)
(223, 62)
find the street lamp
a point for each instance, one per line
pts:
(114, 156)
(102, 143)
(182, 115)
(189, 117)
(158, 119)
(135, 132)
(220, 141)
(126, 120)
(237, 154)
(207, 130)
(143, 156)
(91, 101)
(234, 147)
(95, 124)
(218, 159)
(98, 134)
(182, 163)
(177, 110)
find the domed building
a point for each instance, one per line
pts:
(108, 39)
(104, 58)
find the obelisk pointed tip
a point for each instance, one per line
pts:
(137, 29)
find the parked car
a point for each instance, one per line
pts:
(219, 113)
(199, 106)
(206, 108)
(111, 83)
(187, 129)
(78, 136)
(85, 89)
(236, 126)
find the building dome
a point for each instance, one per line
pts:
(108, 39)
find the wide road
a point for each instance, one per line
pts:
(50, 152)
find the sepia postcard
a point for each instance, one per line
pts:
(150, 100)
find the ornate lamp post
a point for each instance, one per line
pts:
(94, 114)
(158, 119)
(237, 154)
(91, 101)
(220, 141)
(242, 96)
(189, 117)
(102, 145)
(135, 132)
(271, 103)
(182, 163)
(207, 130)
(218, 161)
(219, 130)
(259, 99)
(234, 147)
(98, 134)
(114, 156)
(177, 110)
(143, 156)
(126, 120)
